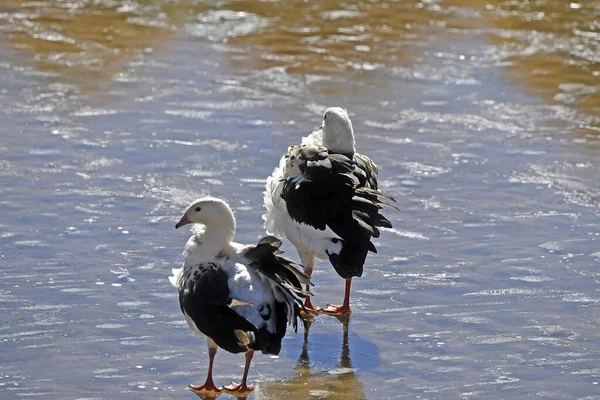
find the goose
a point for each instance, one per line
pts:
(323, 198)
(240, 297)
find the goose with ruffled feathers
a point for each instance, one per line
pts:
(323, 198)
(240, 297)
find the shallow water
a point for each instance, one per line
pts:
(484, 119)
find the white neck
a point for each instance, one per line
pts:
(339, 139)
(209, 242)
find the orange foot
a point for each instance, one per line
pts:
(309, 306)
(239, 390)
(342, 313)
(206, 390)
(309, 312)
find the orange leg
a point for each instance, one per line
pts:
(343, 311)
(242, 389)
(308, 262)
(307, 303)
(208, 387)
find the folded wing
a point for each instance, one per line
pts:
(337, 191)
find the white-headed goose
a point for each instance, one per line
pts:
(241, 297)
(323, 198)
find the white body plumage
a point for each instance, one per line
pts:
(279, 223)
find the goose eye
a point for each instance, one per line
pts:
(198, 209)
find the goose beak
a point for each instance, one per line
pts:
(321, 127)
(183, 221)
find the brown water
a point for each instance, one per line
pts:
(483, 116)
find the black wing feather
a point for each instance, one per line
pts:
(289, 280)
(340, 194)
(368, 171)
(263, 257)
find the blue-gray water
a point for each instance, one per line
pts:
(115, 115)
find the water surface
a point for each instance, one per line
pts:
(483, 117)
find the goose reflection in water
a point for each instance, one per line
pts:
(338, 383)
